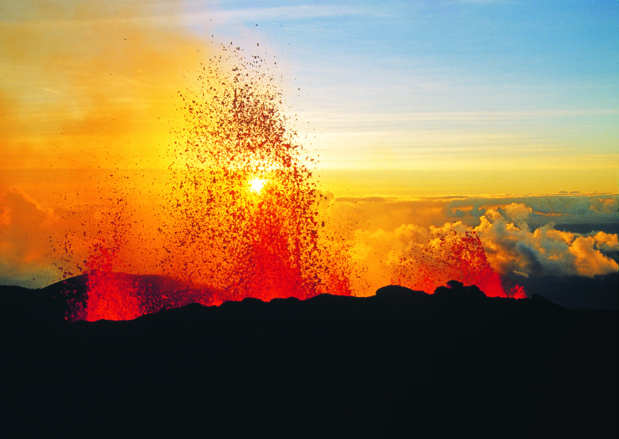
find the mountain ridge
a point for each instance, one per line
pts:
(400, 361)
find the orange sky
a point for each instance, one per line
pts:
(90, 84)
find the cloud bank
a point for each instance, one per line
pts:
(512, 247)
(422, 243)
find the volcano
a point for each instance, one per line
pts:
(401, 361)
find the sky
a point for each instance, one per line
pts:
(428, 103)
(497, 90)
(498, 96)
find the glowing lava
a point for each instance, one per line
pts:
(218, 233)
(226, 242)
(256, 185)
(446, 255)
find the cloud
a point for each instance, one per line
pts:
(512, 247)
(561, 208)
(606, 241)
(600, 204)
(282, 13)
(423, 243)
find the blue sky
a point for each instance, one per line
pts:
(409, 84)
(496, 55)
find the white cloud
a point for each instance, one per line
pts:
(424, 243)
(281, 13)
(513, 248)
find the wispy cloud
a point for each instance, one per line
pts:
(354, 118)
(280, 13)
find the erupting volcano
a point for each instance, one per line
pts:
(318, 227)
(242, 215)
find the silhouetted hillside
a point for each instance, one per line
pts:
(402, 361)
(599, 292)
(63, 299)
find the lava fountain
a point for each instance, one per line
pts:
(242, 204)
(241, 213)
(451, 252)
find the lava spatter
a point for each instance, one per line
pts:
(243, 215)
(446, 255)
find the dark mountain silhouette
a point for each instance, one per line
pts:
(598, 292)
(61, 299)
(401, 362)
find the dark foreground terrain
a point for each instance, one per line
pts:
(401, 363)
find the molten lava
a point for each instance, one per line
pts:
(256, 185)
(241, 214)
(451, 255)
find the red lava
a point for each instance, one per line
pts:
(241, 216)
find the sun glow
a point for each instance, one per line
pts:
(256, 185)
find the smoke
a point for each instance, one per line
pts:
(24, 228)
(88, 83)
(88, 90)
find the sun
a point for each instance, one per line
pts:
(256, 185)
